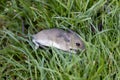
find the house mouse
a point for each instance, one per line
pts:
(58, 38)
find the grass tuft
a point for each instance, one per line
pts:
(97, 22)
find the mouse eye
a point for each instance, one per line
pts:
(77, 44)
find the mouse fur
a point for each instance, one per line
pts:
(66, 40)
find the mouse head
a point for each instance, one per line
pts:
(76, 43)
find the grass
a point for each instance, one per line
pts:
(19, 19)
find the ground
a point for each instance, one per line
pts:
(96, 21)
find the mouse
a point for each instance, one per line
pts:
(66, 40)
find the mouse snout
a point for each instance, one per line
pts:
(80, 45)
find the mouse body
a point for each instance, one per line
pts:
(58, 38)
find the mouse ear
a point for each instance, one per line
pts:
(73, 32)
(69, 30)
